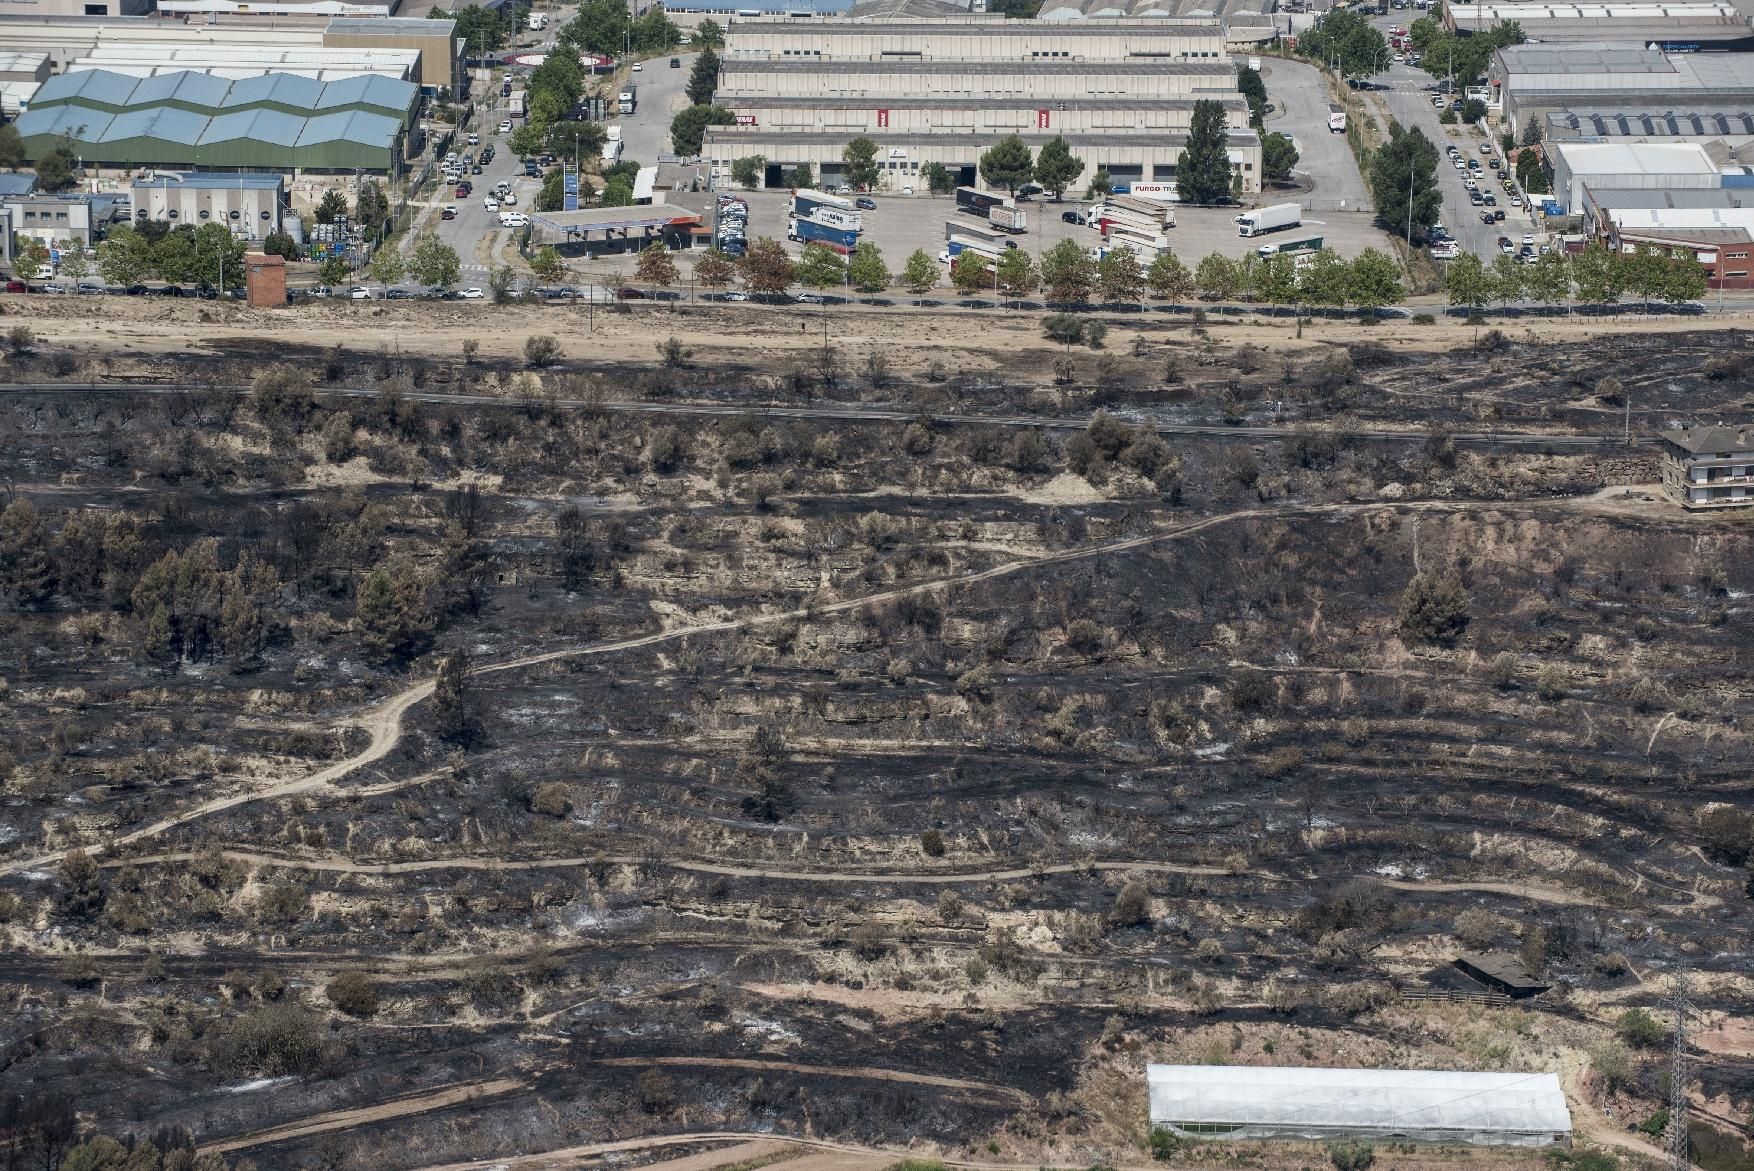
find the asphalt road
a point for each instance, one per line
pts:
(1517, 439)
(1300, 98)
(647, 130)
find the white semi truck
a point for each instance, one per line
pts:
(1269, 219)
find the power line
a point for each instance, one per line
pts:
(1677, 1135)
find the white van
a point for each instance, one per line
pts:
(538, 21)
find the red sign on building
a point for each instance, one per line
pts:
(1041, 119)
(745, 119)
(883, 119)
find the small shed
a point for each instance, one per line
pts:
(1501, 972)
(264, 279)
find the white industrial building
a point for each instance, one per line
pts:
(1680, 25)
(1531, 80)
(1406, 1105)
(1650, 165)
(943, 91)
(20, 74)
(236, 62)
(250, 205)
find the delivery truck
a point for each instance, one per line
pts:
(1309, 244)
(806, 231)
(1269, 219)
(1008, 219)
(628, 101)
(974, 201)
(1336, 119)
(807, 201)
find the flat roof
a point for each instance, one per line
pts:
(211, 181)
(1501, 966)
(1657, 218)
(1093, 138)
(1138, 68)
(1705, 237)
(1625, 198)
(390, 26)
(1626, 121)
(16, 183)
(978, 26)
(1634, 158)
(1712, 440)
(593, 219)
(1021, 102)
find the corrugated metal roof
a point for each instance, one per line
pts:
(390, 26)
(92, 85)
(76, 121)
(205, 181)
(279, 89)
(270, 126)
(350, 126)
(368, 90)
(163, 122)
(14, 183)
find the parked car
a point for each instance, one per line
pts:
(171, 291)
(675, 62)
(637, 67)
(1505, 246)
(136, 291)
(629, 294)
(449, 212)
(471, 294)
(17, 287)
(865, 203)
(490, 204)
(505, 125)
(90, 287)
(474, 139)
(359, 293)
(397, 294)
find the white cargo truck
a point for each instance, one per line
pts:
(1269, 219)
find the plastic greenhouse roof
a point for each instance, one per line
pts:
(350, 126)
(1368, 1099)
(271, 126)
(281, 89)
(165, 122)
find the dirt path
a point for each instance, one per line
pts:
(571, 1156)
(1533, 891)
(865, 1072)
(333, 1120)
(384, 723)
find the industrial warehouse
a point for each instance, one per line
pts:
(275, 121)
(1121, 92)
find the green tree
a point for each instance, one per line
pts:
(1120, 276)
(1345, 41)
(1202, 170)
(617, 192)
(708, 34)
(1015, 272)
(1374, 280)
(654, 32)
(480, 30)
(714, 269)
(1403, 180)
(971, 273)
(218, 257)
(1470, 111)
(1216, 277)
(1597, 273)
(332, 271)
(601, 26)
(688, 129)
(703, 79)
(1326, 281)
(387, 266)
(435, 263)
(1007, 163)
(1507, 279)
(1254, 91)
(800, 176)
(26, 569)
(371, 207)
(11, 148)
(395, 620)
(577, 140)
(55, 166)
(173, 257)
(819, 267)
(1169, 278)
(1068, 273)
(1275, 280)
(866, 270)
(656, 267)
(939, 181)
(125, 256)
(747, 171)
(1685, 278)
(552, 196)
(766, 267)
(920, 272)
(1056, 167)
(1468, 282)
(1644, 272)
(1278, 156)
(1100, 184)
(859, 163)
(1548, 280)
(546, 264)
(74, 265)
(1434, 609)
(332, 207)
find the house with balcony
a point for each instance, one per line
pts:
(1709, 467)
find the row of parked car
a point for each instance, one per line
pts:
(733, 225)
(90, 288)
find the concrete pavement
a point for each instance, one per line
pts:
(1300, 98)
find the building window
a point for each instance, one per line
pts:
(60, 217)
(205, 213)
(97, 10)
(235, 213)
(265, 217)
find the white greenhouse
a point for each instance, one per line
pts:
(1406, 1105)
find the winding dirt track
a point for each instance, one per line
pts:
(384, 723)
(334, 1120)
